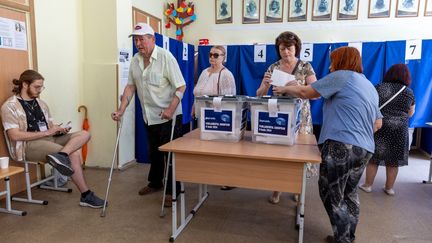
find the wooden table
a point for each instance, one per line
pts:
(242, 164)
(5, 174)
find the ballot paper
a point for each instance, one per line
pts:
(280, 78)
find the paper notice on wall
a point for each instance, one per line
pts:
(13, 34)
(357, 45)
(124, 63)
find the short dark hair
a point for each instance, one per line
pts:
(288, 39)
(28, 77)
(346, 58)
(398, 73)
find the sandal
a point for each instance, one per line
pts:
(227, 188)
(274, 200)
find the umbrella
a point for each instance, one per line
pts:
(86, 127)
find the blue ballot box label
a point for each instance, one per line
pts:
(272, 126)
(217, 121)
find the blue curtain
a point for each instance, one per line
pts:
(377, 57)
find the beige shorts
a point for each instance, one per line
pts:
(37, 150)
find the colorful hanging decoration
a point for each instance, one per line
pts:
(181, 16)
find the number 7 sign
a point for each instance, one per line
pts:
(413, 49)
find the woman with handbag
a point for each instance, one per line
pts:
(215, 80)
(397, 104)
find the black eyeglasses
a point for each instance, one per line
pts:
(215, 55)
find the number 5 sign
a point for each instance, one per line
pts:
(306, 53)
(413, 49)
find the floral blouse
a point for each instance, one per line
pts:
(303, 70)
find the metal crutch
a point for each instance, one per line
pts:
(167, 164)
(113, 160)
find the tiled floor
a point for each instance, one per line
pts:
(239, 215)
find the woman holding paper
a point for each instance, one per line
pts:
(289, 69)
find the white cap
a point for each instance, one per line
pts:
(142, 29)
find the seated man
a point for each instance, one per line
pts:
(33, 135)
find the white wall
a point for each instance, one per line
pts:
(100, 77)
(78, 42)
(363, 29)
(77, 45)
(126, 148)
(153, 7)
(59, 55)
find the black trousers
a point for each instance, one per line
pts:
(340, 171)
(158, 135)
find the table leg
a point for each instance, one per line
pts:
(182, 204)
(429, 181)
(8, 208)
(183, 221)
(300, 207)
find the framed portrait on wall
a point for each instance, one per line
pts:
(273, 11)
(347, 9)
(322, 10)
(428, 8)
(379, 8)
(223, 11)
(297, 10)
(407, 8)
(251, 11)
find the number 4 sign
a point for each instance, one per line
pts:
(306, 53)
(260, 53)
(413, 49)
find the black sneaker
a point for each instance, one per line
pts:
(61, 163)
(91, 200)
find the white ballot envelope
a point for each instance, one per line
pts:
(280, 78)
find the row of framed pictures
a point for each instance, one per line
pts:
(321, 10)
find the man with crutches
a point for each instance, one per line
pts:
(156, 76)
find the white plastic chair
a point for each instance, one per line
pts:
(53, 177)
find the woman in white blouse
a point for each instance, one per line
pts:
(216, 79)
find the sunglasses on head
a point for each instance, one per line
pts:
(215, 55)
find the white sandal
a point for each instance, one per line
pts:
(274, 200)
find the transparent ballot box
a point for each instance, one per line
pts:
(221, 117)
(274, 120)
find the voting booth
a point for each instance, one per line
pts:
(275, 120)
(221, 118)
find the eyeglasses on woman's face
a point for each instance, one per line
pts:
(214, 55)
